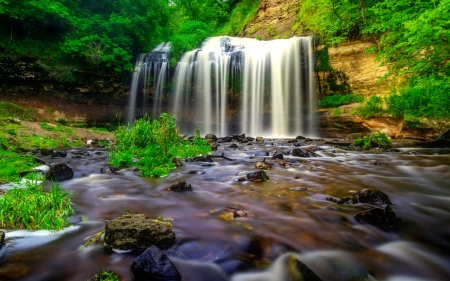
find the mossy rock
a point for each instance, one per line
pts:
(137, 233)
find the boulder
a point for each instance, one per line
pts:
(60, 172)
(59, 154)
(258, 176)
(372, 196)
(211, 137)
(180, 186)
(46, 151)
(137, 233)
(298, 152)
(384, 218)
(153, 264)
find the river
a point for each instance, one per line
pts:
(287, 215)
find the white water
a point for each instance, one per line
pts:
(275, 89)
(240, 85)
(150, 69)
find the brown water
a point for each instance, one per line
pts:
(288, 214)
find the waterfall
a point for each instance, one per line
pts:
(241, 85)
(272, 81)
(150, 70)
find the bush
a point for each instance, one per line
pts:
(373, 107)
(32, 208)
(374, 140)
(422, 98)
(338, 100)
(151, 145)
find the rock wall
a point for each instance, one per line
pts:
(63, 91)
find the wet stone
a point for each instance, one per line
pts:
(46, 151)
(2, 239)
(59, 154)
(137, 233)
(384, 218)
(196, 172)
(257, 176)
(299, 188)
(211, 137)
(60, 172)
(372, 196)
(180, 186)
(278, 156)
(374, 163)
(263, 165)
(109, 170)
(153, 264)
(233, 146)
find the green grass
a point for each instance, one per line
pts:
(31, 208)
(11, 163)
(338, 100)
(372, 108)
(9, 110)
(374, 140)
(151, 145)
(106, 276)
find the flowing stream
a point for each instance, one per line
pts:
(286, 215)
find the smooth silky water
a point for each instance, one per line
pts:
(287, 214)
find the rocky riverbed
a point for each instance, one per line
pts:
(301, 214)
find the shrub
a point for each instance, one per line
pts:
(422, 98)
(374, 140)
(32, 208)
(373, 107)
(151, 145)
(338, 100)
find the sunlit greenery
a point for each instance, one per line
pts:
(11, 163)
(371, 108)
(32, 208)
(375, 140)
(152, 144)
(338, 100)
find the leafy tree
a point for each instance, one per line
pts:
(189, 36)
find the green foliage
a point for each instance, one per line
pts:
(188, 37)
(9, 110)
(106, 276)
(152, 144)
(379, 140)
(414, 36)
(32, 208)
(11, 163)
(241, 14)
(103, 33)
(373, 107)
(333, 20)
(422, 98)
(338, 100)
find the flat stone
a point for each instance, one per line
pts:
(137, 233)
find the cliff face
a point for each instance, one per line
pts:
(63, 91)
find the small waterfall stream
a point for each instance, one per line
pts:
(150, 69)
(235, 85)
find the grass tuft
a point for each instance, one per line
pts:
(31, 208)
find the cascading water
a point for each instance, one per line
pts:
(242, 85)
(151, 69)
(245, 85)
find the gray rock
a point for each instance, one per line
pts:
(137, 233)
(153, 264)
